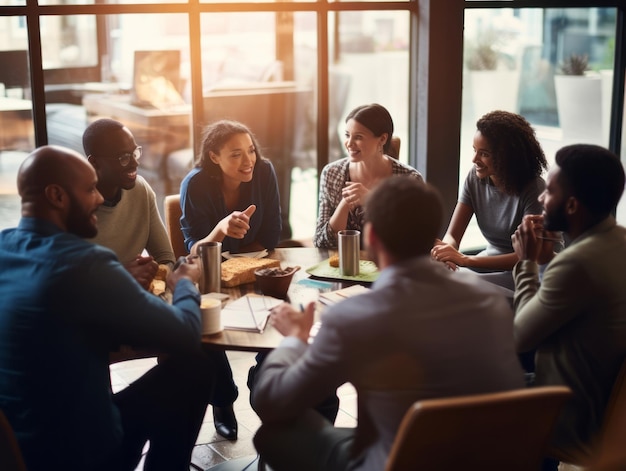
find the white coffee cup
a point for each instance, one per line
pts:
(211, 309)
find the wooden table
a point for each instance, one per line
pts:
(298, 293)
(16, 124)
(120, 107)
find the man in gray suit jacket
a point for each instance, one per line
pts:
(576, 317)
(423, 331)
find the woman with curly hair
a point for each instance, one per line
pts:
(502, 187)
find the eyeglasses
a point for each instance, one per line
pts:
(124, 159)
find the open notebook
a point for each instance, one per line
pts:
(249, 313)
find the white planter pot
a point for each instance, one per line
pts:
(579, 104)
(607, 90)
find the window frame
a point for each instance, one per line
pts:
(435, 55)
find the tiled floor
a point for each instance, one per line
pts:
(212, 449)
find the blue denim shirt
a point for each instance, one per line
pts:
(65, 304)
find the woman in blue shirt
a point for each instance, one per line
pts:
(231, 196)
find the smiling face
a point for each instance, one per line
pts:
(236, 159)
(483, 158)
(84, 200)
(361, 142)
(111, 174)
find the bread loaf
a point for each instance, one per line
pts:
(239, 270)
(157, 287)
(158, 284)
(333, 261)
(162, 272)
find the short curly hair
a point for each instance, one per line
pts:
(592, 174)
(517, 155)
(97, 137)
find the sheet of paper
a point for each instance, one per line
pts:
(249, 312)
(339, 295)
(260, 254)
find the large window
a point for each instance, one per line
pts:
(292, 70)
(554, 66)
(286, 71)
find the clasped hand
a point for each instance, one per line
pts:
(291, 322)
(354, 194)
(142, 269)
(237, 224)
(448, 254)
(186, 267)
(532, 242)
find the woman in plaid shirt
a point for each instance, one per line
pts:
(345, 183)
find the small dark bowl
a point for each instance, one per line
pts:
(275, 285)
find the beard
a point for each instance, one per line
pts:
(556, 220)
(79, 221)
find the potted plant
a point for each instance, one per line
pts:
(579, 100)
(575, 65)
(492, 75)
(482, 55)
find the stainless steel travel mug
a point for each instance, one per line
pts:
(349, 252)
(211, 257)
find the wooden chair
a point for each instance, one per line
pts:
(499, 431)
(394, 150)
(10, 454)
(609, 453)
(173, 212)
(612, 452)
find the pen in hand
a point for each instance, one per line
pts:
(182, 259)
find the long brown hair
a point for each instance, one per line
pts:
(214, 137)
(377, 119)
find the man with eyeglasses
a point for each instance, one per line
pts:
(129, 223)
(128, 220)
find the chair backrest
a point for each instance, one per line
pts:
(172, 211)
(506, 430)
(611, 453)
(394, 150)
(10, 455)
